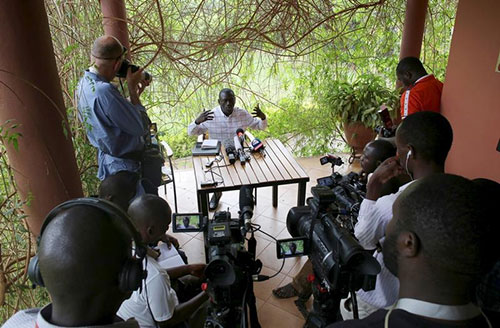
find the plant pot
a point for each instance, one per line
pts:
(358, 135)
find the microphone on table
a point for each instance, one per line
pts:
(246, 209)
(230, 150)
(256, 144)
(238, 145)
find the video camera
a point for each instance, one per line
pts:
(231, 268)
(340, 264)
(349, 192)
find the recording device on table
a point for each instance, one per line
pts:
(256, 145)
(332, 159)
(341, 266)
(387, 129)
(122, 72)
(231, 268)
(239, 142)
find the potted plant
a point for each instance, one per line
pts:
(355, 106)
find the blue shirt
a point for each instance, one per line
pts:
(114, 125)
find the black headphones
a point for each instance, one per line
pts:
(132, 273)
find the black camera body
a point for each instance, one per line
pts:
(230, 270)
(341, 265)
(122, 72)
(385, 132)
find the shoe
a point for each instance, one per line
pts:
(286, 291)
(214, 201)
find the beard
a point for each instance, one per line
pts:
(391, 254)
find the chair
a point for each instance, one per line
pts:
(168, 172)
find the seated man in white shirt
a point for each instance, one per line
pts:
(438, 244)
(81, 254)
(158, 303)
(223, 121)
(423, 141)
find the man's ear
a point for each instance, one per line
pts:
(413, 154)
(150, 230)
(408, 244)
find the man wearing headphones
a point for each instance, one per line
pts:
(158, 304)
(423, 140)
(84, 260)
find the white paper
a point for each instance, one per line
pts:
(169, 258)
(209, 143)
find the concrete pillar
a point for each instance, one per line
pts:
(114, 20)
(413, 30)
(44, 164)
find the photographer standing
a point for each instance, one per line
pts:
(423, 141)
(116, 126)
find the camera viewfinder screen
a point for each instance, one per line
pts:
(291, 248)
(187, 222)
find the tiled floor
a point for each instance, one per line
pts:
(272, 312)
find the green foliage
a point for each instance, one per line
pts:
(358, 101)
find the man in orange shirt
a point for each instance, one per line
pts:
(422, 90)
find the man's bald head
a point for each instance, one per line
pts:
(107, 47)
(152, 216)
(81, 254)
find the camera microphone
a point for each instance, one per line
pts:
(246, 207)
(230, 151)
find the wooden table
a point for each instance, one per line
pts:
(277, 167)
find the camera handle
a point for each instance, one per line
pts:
(326, 306)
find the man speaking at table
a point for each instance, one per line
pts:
(223, 121)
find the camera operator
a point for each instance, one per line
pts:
(158, 303)
(81, 254)
(438, 243)
(115, 126)
(374, 154)
(423, 141)
(223, 121)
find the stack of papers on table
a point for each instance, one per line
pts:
(209, 144)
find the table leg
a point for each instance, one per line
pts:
(301, 195)
(275, 196)
(203, 203)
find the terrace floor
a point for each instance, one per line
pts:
(272, 312)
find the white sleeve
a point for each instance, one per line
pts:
(196, 129)
(162, 298)
(372, 220)
(255, 122)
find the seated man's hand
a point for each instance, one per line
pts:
(258, 113)
(153, 253)
(204, 116)
(170, 240)
(197, 270)
(389, 169)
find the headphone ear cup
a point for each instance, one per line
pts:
(34, 274)
(131, 276)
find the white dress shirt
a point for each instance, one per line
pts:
(224, 127)
(370, 229)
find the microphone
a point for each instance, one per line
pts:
(239, 150)
(255, 144)
(230, 151)
(241, 135)
(246, 208)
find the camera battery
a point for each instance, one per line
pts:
(219, 233)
